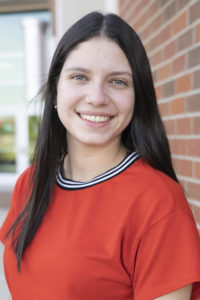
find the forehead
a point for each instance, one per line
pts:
(97, 50)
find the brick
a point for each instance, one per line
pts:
(168, 89)
(139, 23)
(146, 33)
(183, 83)
(165, 34)
(158, 92)
(197, 169)
(194, 190)
(193, 103)
(152, 9)
(154, 43)
(179, 23)
(193, 147)
(179, 64)
(147, 47)
(155, 76)
(194, 12)
(169, 50)
(140, 5)
(183, 126)
(181, 4)
(137, 12)
(172, 146)
(134, 25)
(178, 146)
(184, 185)
(184, 41)
(170, 126)
(160, 3)
(191, 207)
(149, 29)
(157, 58)
(177, 106)
(183, 167)
(157, 22)
(196, 213)
(196, 80)
(136, 9)
(170, 11)
(193, 57)
(196, 125)
(164, 109)
(142, 37)
(154, 24)
(197, 33)
(124, 8)
(164, 72)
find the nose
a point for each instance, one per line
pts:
(96, 94)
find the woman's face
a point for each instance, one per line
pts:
(95, 95)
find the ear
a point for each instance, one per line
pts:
(55, 103)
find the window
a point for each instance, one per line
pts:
(7, 145)
(33, 130)
(18, 120)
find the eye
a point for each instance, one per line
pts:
(119, 82)
(79, 77)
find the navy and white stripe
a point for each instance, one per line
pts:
(68, 184)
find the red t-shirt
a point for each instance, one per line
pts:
(129, 234)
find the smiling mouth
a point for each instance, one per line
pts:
(96, 119)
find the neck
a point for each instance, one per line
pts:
(83, 163)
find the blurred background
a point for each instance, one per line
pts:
(29, 33)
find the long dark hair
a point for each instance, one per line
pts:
(145, 133)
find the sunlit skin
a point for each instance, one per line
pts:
(95, 101)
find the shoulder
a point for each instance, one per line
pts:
(144, 177)
(153, 193)
(147, 174)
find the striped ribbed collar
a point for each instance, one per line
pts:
(68, 184)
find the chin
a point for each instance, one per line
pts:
(95, 142)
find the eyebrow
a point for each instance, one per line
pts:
(85, 70)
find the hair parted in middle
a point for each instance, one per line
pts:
(144, 134)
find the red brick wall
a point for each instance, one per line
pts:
(170, 31)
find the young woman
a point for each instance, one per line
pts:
(100, 214)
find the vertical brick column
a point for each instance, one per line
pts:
(170, 31)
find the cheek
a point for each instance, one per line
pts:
(66, 98)
(126, 105)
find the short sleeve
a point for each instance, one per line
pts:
(168, 258)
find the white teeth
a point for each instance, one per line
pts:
(95, 118)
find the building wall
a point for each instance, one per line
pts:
(170, 31)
